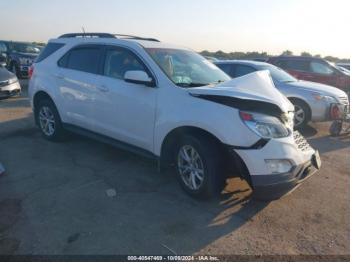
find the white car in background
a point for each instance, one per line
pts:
(171, 104)
(9, 85)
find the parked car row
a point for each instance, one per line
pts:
(19, 56)
(312, 101)
(173, 105)
(9, 85)
(313, 69)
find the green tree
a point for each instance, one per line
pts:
(306, 54)
(287, 53)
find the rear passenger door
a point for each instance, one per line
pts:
(78, 79)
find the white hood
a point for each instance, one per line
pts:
(256, 86)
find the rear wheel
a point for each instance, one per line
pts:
(49, 120)
(198, 167)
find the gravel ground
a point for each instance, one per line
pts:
(54, 199)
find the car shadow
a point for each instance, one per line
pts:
(308, 131)
(150, 205)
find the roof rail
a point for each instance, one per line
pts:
(90, 35)
(106, 35)
(137, 37)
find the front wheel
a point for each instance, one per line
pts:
(198, 167)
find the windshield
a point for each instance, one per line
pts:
(343, 69)
(25, 48)
(279, 74)
(186, 68)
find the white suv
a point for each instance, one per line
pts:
(171, 104)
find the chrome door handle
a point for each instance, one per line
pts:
(103, 88)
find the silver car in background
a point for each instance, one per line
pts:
(313, 101)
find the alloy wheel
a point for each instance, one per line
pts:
(47, 121)
(299, 116)
(190, 167)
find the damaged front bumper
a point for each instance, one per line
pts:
(270, 186)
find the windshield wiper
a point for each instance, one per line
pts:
(191, 84)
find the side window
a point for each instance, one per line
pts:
(242, 70)
(227, 68)
(297, 65)
(3, 48)
(119, 60)
(85, 59)
(321, 68)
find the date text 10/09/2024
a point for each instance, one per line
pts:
(172, 258)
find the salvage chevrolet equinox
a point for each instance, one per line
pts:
(171, 104)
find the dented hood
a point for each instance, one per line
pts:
(257, 86)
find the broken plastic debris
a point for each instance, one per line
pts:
(111, 192)
(2, 169)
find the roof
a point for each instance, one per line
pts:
(297, 58)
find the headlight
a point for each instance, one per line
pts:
(13, 80)
(320, 97)
(264, 125)
(279, 166)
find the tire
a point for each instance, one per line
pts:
(49, 121)
(336, 128)
(205, 164)
(302, 114)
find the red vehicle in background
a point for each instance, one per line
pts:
(314, 70)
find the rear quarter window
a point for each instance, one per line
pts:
(48, 50)
(85, 58)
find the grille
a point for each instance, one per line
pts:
(301, 142)
(344, 100)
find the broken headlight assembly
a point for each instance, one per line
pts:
(265, 126)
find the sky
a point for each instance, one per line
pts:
(319, 27)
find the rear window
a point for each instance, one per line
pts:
(48, 50)
(242, 70)
(227, 68)
(85, 59)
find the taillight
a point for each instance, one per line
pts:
(30, 71)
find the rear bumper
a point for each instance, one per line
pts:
(271, 187)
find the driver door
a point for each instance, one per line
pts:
(125, 111)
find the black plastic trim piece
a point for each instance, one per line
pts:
(244, 104)
(258, 145)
